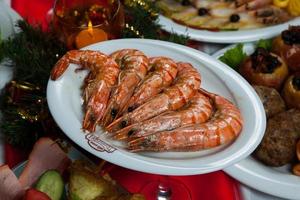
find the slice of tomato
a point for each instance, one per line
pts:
(32, 194)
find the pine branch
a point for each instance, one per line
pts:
(17, 131)
(142, 22)
(33, 53)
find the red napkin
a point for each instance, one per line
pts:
(212, 186)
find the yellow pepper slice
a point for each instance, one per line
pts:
(281, 3)
(294, 7)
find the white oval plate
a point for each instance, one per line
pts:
(65, 103)
(277, 181)
(226, 36)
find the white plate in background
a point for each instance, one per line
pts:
(226, 36)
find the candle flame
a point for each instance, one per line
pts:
(90, 28)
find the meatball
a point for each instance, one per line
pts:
(271, 99)
(279, 142)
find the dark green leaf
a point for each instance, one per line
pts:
(266, 44)
(233, 57)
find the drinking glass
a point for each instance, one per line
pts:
(166, 188)
(83, 22)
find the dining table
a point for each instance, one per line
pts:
(214, 185)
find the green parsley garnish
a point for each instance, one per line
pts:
(266, 44)
(233, 57)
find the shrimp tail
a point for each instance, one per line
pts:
(62, 64)
(59, 68)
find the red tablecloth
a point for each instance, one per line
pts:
(212, 186)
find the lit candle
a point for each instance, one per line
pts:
(89, 36)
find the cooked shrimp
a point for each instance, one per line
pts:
(197, 110)
(174, 97)
(134, 66)
(163, 72)
(224, 126)
(98, 84)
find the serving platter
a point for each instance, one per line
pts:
(277, 181)
(226, 37)
(65, 104)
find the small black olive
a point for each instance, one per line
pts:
(287, 37)
(296, 82)
(234, 18)
(258, 57)
(202, 11)
(263, 61)
(185, 2)
(270, 68)
(271, 63)
(113, 112)
(291, 36)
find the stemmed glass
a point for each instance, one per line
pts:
(83, 22)
(166, 188)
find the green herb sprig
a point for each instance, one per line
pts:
(266, 44)
(233, 57)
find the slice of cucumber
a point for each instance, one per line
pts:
(52, 184)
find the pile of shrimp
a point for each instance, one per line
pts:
(151, 103)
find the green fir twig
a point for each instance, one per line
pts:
(33, 53)
(142, 20)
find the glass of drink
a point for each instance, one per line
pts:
(83, 22)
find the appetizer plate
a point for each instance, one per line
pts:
(277, 181)
(226, 36)
(65, 103)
